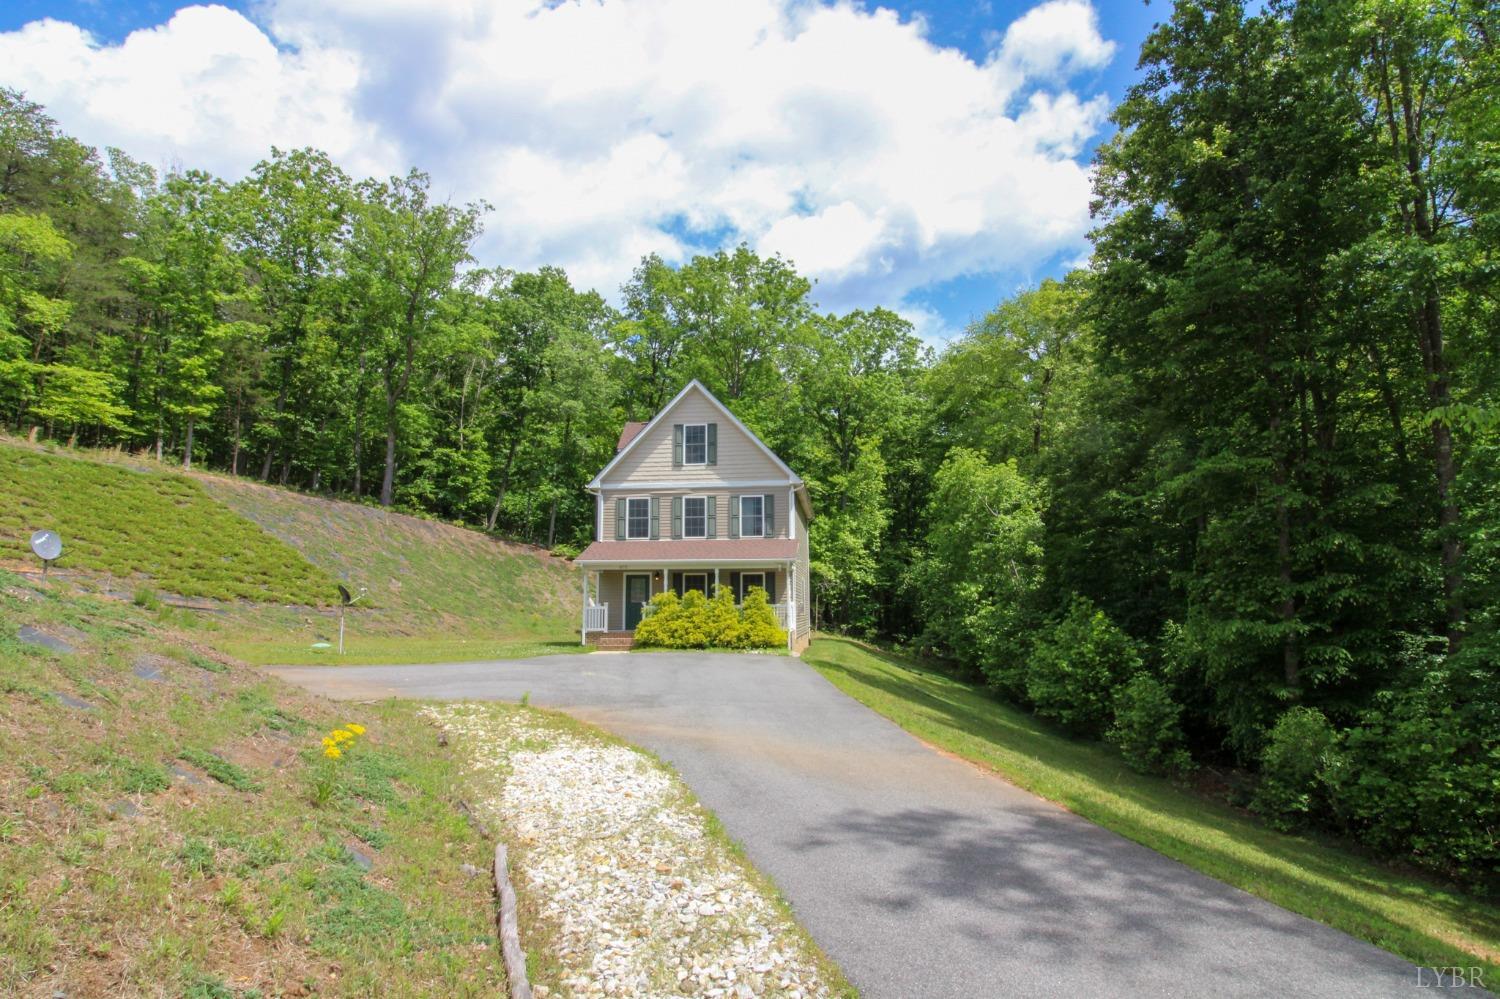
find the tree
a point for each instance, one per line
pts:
(1425, 75)
(289, 218)
(407, 252)
(981, 567)
(853, 377)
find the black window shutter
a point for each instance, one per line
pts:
(676, 445)
(770, 501)
(676, 516)
(734, 587)
(713, 443)
(770, 587)
(619, 520)
(677, 583)
(734, 519)
(712, 503)
(655, 519)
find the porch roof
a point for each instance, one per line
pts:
(689, 550)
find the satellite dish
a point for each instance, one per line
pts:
(344, 595)
(47, 545)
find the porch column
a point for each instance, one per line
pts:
(791, 606)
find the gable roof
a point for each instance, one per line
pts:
(628, 433)
(627, 444)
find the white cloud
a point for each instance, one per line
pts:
(603, 129)
(1055, 39)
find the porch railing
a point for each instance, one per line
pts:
(595, 618)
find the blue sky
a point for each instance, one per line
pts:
(934, 170)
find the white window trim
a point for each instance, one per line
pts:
(696, 537)
(628, 535)
(745, 588)
(754, 496)
(695, 464)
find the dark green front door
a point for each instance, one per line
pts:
(637, 593)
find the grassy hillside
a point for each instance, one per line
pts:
(273, 557)
(1405, 912)
(435, 591)
(160, 832)
(147, 527)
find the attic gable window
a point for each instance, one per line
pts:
(695, 444)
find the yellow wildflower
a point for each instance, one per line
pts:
(328, 743)
(356, 729)
(339, 735)
(332, 752)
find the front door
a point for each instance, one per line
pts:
(637, 595)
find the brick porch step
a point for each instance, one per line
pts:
(611, 639)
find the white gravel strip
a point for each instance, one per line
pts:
(611, 847)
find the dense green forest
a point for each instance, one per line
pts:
(1228, 497)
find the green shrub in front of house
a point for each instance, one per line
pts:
(693, 621)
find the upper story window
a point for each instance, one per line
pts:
(695, 444)
(638, 517)
(752, 516)
(695, 517)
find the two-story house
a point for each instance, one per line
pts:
(693, 500)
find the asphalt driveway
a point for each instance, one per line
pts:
(923, 876)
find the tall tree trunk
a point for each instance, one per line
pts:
(388, 480)
(234, 447)
(272, 448)
(359, 427)
(1392, 406)
(552, 524)
(1438, 396)
(187, 448)
(510, 457)
(1411, 148)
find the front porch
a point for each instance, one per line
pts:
(615, 599)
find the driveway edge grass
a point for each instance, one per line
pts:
(1405, 912)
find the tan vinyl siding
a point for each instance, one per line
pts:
(721, 509)
(612, 592)
(804, 579)
(650, 458)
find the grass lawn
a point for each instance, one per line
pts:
(1404, 912)
(160, 832)
(375, 650)
(147, 527)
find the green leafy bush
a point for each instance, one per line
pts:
(692, 621)
(1419, 776)
(723, 623)
(1301, 747)
(1147, 728)
(658, 626)
(1075, 666)
(759, 628)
